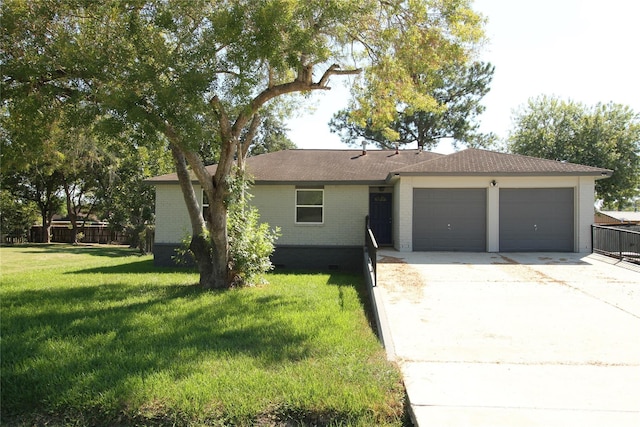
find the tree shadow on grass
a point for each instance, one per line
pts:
(111, 251)
(342, 280)
(72, 347)
(142, 266)
(364, 295)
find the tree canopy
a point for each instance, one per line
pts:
(458, 90)
(604, 135)
(199, 72)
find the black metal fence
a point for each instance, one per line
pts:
(372, 248)
(617, 242)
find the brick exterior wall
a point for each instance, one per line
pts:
(345, 209)
(172, 218)
(315, 258)
(335, 244)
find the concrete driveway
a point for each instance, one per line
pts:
(487, 339)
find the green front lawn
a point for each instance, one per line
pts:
(98, 336)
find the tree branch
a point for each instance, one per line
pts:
(248, 139)
(197, 220)
(229, 138)
(197, 166)
(335, 70)
(298, 85)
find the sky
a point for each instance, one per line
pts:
(587, 51)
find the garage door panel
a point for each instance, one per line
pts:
(536, 219)
(449, 219)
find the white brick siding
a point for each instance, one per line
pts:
(345, 208)
(172, 218)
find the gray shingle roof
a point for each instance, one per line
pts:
(338, 166)
(482, 162)
(351, 166)
(332, 165)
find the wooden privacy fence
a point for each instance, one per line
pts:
(91, 233)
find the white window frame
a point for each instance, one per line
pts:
(295, 213)
(204, 205)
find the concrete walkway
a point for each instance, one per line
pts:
(497, 340)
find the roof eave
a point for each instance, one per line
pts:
(596, 175)
(166, 181)
(322, 182)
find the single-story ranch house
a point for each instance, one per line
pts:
(472, 200)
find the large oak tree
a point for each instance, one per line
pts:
(202, 70)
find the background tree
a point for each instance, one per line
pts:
(38, 184)
(123, 198)
(605, 135)
(458, 90)
(203, 71)
(17, 215)
(86, 165)
(78, 171)
(28, 154)
(271, 136)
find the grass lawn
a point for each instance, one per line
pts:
(96, 335)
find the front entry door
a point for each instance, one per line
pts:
(380, 217)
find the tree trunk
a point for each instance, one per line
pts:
(211, 261)
(221, 277)
(201, 249)
(73, 239)
(46, 211)
(45, 232)
(71, 213)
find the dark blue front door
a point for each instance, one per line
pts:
(380, 217)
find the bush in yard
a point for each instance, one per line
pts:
(251, 243)
(183, 255)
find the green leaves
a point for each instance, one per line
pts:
(604, 135)
(410, 42)
(170, 57)
(251, 242)
(163, 61)
(458, 90)
(16, 215)
(198, 71)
